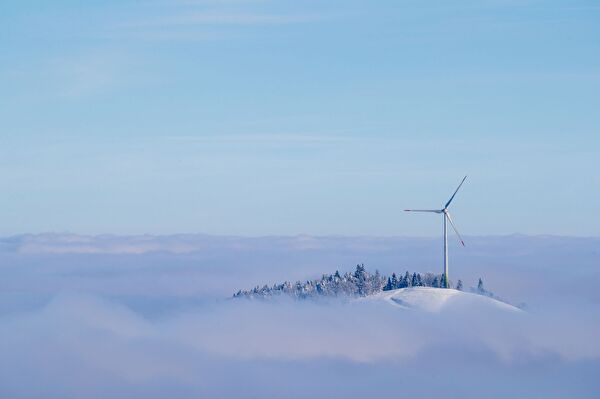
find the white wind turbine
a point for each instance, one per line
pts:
(446, 216)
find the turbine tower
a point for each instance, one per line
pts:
(446, 218)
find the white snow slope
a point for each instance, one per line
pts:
(436, 299)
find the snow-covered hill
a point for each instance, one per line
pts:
(437, 299)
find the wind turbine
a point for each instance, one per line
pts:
(446, 217)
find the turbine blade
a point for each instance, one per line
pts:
(451, 198)
(423, 210)
(455, 229)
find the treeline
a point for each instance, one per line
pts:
(356, 284)
(414, 280)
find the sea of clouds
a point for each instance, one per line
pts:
(152, 317)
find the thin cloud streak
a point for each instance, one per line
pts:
(270, 138)
(205, 21)
(228, 18)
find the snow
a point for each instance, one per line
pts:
(436, 299)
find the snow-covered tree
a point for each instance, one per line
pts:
(407, 280)
(388, 286)
(394, 281)
(358, 283)
(414, 281)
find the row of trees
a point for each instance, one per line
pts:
(356, 284)
(414, 280)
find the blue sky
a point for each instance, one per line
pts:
(286, 117)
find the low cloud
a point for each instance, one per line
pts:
(77, 342)
(158, 324)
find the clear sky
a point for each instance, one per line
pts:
(285, 117)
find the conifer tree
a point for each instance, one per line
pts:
(394, 281)
(407, 279)
(360, 276)
(414, 281)
(388, 286)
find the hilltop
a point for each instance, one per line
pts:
(435, 299)
(360, 283)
